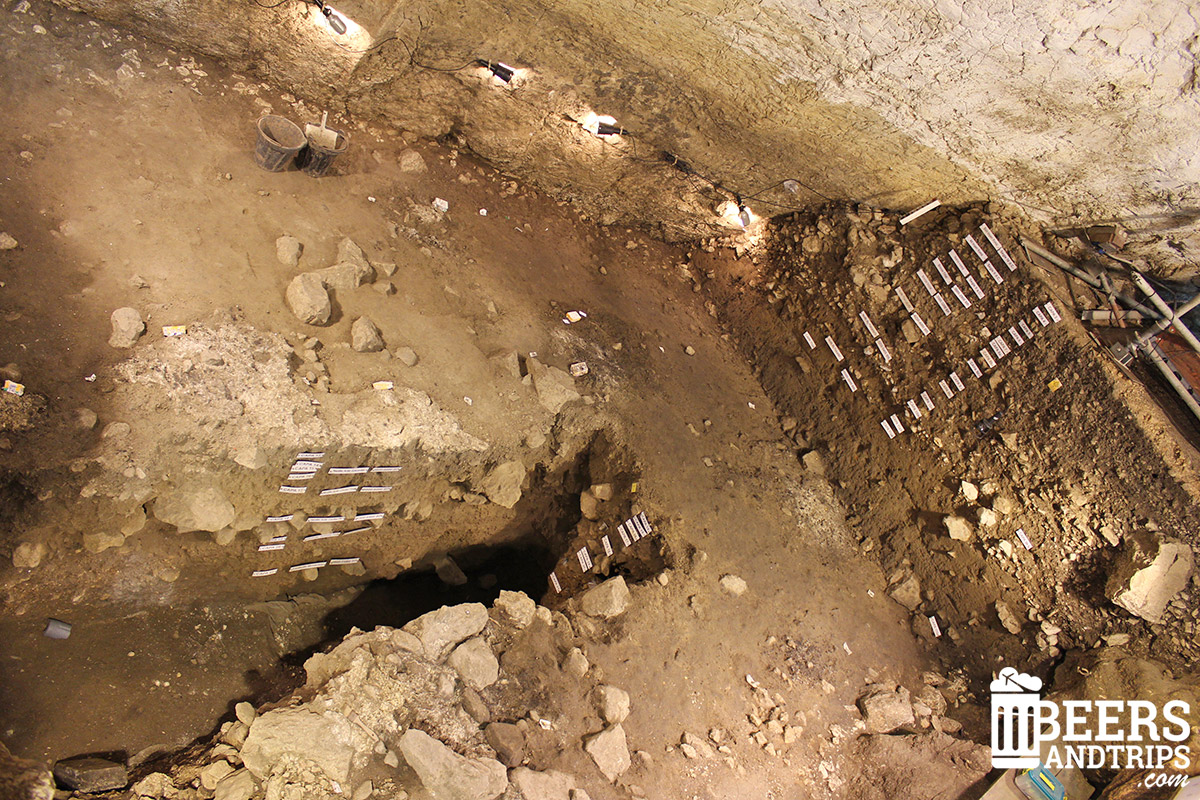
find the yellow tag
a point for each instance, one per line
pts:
(383, 385)
(633, 489)
(14, 388)
(1055, 385)
(174, 330)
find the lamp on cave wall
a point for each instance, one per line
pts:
(502, 72)
(601, 125)
(735, 212)
(332, 17)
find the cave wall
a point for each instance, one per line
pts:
(1074, 112)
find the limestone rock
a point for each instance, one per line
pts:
(251, 458)
(406, 356)
(99, 541)
(969, 491)
(28, 555)
(576, 663)
(449, 572)
(732, 584)
(907, 592)
(508, 741)
(7, 242)
(154, 786)
(548, 785)
(23, 779)
(610, 751)
(239, 785)
(555, 388)
(475, 663)
(695, 747)
(195, 507)
(612, 703)
(609, 599)
(287, 250)
(1007, 618)
(308, 298)
(245, 712)
(447, 775)
(814, 463)
(1147, 574)
(515, 607)
(328, 740)
(589, 505)
(884, 710)
(411, 163)
(91, 775)
(441, 631)
(602, 491)
(502, 484)
(958, 528)
(85, 419)
(350, 253)
(127, 327)
(365, 336)
(211, 775)
(351, 270)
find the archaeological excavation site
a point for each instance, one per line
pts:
(482, 400)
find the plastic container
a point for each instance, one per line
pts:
(279, 140)
(1039, 784)
(324, 146)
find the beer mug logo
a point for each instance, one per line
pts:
(1016, 698)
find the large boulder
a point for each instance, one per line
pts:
(1147, 574)
(516, 608)
(195, 507)
(502, 484)
(610, 751)
(91, 775)
(606, 600)
(329, 740)
(308, 297)
(475, 663)
(441, 631)
(365, 336)
(127, 327)
(555, 388)
(885, 710)
(448, 776)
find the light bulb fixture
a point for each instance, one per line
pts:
(500, 70)
(602, 126)
(744, 215)
(335, 21)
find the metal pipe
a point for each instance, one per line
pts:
(1163, 324)
(1173, 319)
(1088, 279)
(1151, 351)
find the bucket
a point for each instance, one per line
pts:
(279, 140)
(324, 146)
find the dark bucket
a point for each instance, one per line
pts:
(316, 159)
(278, 142)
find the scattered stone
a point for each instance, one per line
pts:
(907, 592)
(347, 275)
(698, 747)
(958, 528)
(602, 491)
(475, 707)
(589, 505)
(610, 751)
(328, 740)
(612, 703)
(502, 484)
(211, 775)
(138, 282)
(154, 786)
(1003, 504)
(365, 336)
(127, 327)
(814, 463)
(85, 419)
(732, 584)
(7, 242)
(515, 607)
(288, 250)
(969, 491)
(1147, 574)
(555, 388)
(508, 741)
(251, 458)
(308, 298)
(245, 712)
(884, 710)
(364, 790)
(411, 163)
(475, 663)
(91, 775)
(116, 430)
(1008, 619)
(441, 631)
(449, 572)
(449, 776)
(239, 785)
(576, 664)
(99, 542)
(195, 507)
(988, 518)
(548, 785)
(29, 555)
(406, 356)
(607, 600)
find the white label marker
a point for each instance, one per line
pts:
(946, 390)
(912, 409)
(962, 298)
(975, 287)
(309, 565)
(585, 559)
(962, 268)
(1025, 329)
(926, 282)
(263, 548)
(608, 551)
(386, 469)
(375, 488)
(263, 573)
(921, 326)
(281, 518)
(312, 537)
(326, 520)
(348, 470)
(1008, 262)
(987, 359)
(1024, 539)
(974, 245)
(958, 384)
(344, 562)
(293, 489)
(904, 301)
(301, 476)
(1040, 316)
(927, 400)
(883, 351)
(866, 321)
(1016, 337)
(645, 522)
(887, 428)
(974, 367)
(339, 490)
(306, 466)
(310, 455)
(993, 272)
(941, 302)
(1052, 310)
(808, 340)
(624, 536)
(849, 380)
(833, 348)
(937, 630)
(946, 279)
(925, 209)
(895, 420)
(554, 582)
